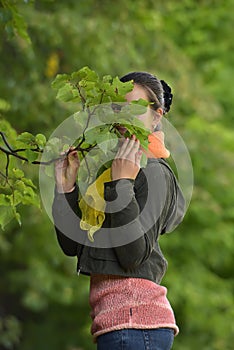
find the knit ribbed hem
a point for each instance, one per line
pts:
(136, 326)
(129, 303)
(136, 316)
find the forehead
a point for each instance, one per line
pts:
(137, 93)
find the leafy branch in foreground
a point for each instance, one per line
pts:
(93, 131)
(12, 21)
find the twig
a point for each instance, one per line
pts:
(19, 149)
(3, 175)
(7, 164)
(5, 141)
(16, 155)
(102, 95)
(83, 100)
(6, 178)
(49, 162)
(87, 165)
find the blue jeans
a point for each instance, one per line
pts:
(137, 339)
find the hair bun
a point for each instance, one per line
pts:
(167, 96)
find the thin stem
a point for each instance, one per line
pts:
(49, 162)
(83, 100)
(3, 175)
(10, 153)
(7, 164)
(102, 95)
(86, 126)
(5, 141)
(87, 165)
(19, 149)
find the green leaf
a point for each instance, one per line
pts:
(26, 138)
(6, 215)
(91, 135)
(40, 140)
(105, 114)
(17, 173)
(107, 141)
(60, 81)
(6, 128)
(107, 79)
(4, 200)
(18, 23)
(135, 108)
(85, 74)
(24, 194)
(141, 102)
(65, 147)
(138, 130)
(53, 148)
(80, 119)
(17, 197)
(17, 217)
(65, 93)
(31, 155)
(28, 197)
(143, 140)
(28, 182)
(85, 86)
(122, 88)
(4, 105)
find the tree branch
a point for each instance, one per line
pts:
(19, 149)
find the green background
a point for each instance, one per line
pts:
(189, 43)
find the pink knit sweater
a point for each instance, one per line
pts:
(119, 302)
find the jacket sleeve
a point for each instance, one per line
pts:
(141, 212)
(65, 213)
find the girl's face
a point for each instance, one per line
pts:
(151, 118)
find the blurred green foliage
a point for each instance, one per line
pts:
(189, 44)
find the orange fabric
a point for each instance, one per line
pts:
(156, 148)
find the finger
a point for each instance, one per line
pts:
(61, 159)
(128, 145)
(60, 163)
(60, 171)
(73, 155)
(121, 142)
(122, 148)
(136, 145)
(70, 150)
(73, 159)
(132, 149)
(133, 143)
(138, 158)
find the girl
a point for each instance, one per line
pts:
(130, 309)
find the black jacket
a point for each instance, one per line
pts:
(137, 212)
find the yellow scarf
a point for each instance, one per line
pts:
(92, 204)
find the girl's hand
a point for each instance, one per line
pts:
(66, 172)
(127, 161)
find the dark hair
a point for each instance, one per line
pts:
(158, 91)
